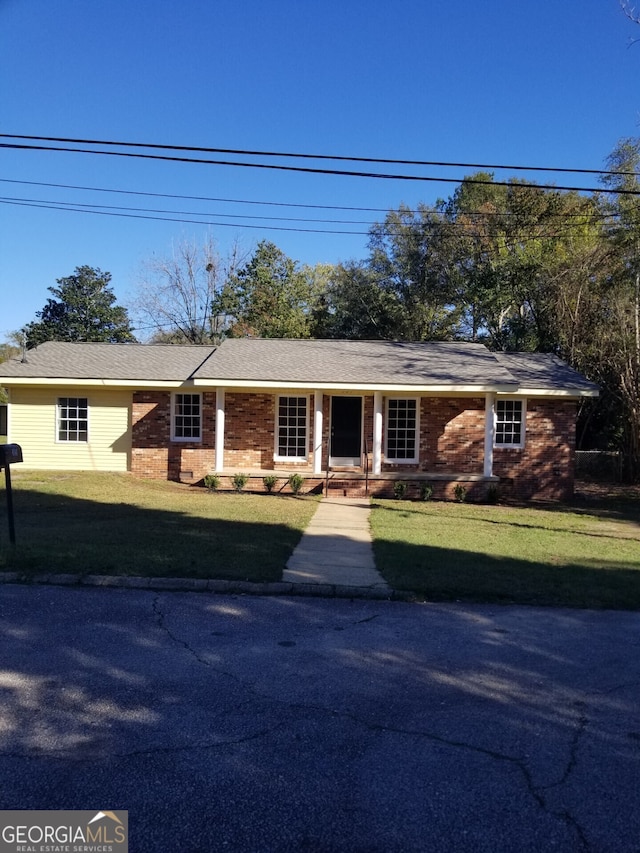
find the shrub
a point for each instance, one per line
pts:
(296, 482)
(400, 490)
(493, 495)
(240, 481)
(460, 492)
(212, 482)
(269, 482)
(426, 491)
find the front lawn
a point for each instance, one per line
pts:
(84, 523)
(587, 556)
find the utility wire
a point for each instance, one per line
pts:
(89, 206)
(316, 171)
(338, 157)
(68, 207)
(385, 210)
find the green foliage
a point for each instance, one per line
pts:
(493, 494)
(269, 297)
(426, 491)
(270, 482)
(212, 482)
(83, 310)
(460, 493)
(400, 490)
(239, 481)
(296, 482)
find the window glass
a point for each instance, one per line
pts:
(73, 419)
(402, 430)
(187, 417)
(509, 422)
(292, 427)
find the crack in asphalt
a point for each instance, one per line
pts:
(536, 791)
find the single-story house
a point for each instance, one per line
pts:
(352, 415)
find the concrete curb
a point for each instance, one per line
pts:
(316, 590)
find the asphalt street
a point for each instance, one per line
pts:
(245, 723)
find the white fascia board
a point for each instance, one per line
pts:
(347, 387)
(66, 382)
(567, 393)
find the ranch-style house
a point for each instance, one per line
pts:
(350, 416)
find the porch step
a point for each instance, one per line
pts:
(346, 489)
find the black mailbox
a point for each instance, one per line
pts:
(10, 453)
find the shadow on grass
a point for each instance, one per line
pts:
(447, 574)
(58, 533)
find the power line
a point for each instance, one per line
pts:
(54, 206)
(317, 171)
(385, 210)
(306, 156)
(132, 214)
(198, 197)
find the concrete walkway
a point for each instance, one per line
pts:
(336, 548)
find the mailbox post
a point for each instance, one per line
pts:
(10, 453)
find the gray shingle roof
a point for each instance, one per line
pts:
(352, 363)
(544, 371)
(58, 360)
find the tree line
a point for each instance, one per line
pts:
(512, 265)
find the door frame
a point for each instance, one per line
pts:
(346, 461)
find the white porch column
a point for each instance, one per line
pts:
(317, 432)
(377, 432)
(219, 429)
(489, 432)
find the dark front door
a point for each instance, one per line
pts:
(346, 430)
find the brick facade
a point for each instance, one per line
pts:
(451, 441)
(544, 468)
(154, 455)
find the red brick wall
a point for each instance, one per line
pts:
(451, 441)
(153, 453)
(544, 468)
(249, 427)
(451, 437)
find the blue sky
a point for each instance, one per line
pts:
(548, 83)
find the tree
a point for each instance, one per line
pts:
(620, 316)
(353, 305)
(82, 309)
(176, 294)
(270, 296)
(410, 256)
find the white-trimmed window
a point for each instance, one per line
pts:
(72, 419)
(510, 423)
(186, 420)
(292, 428)
(401, 433)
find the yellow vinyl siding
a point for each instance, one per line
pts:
(32, 424)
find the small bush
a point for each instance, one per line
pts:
(426, 491)
(212, 482)
(269, 482)
(461, 493)
(296, 482)
(400, 490)
(493, 495)
(240, 481)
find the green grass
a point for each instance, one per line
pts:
(576, 557)
(84, 523)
